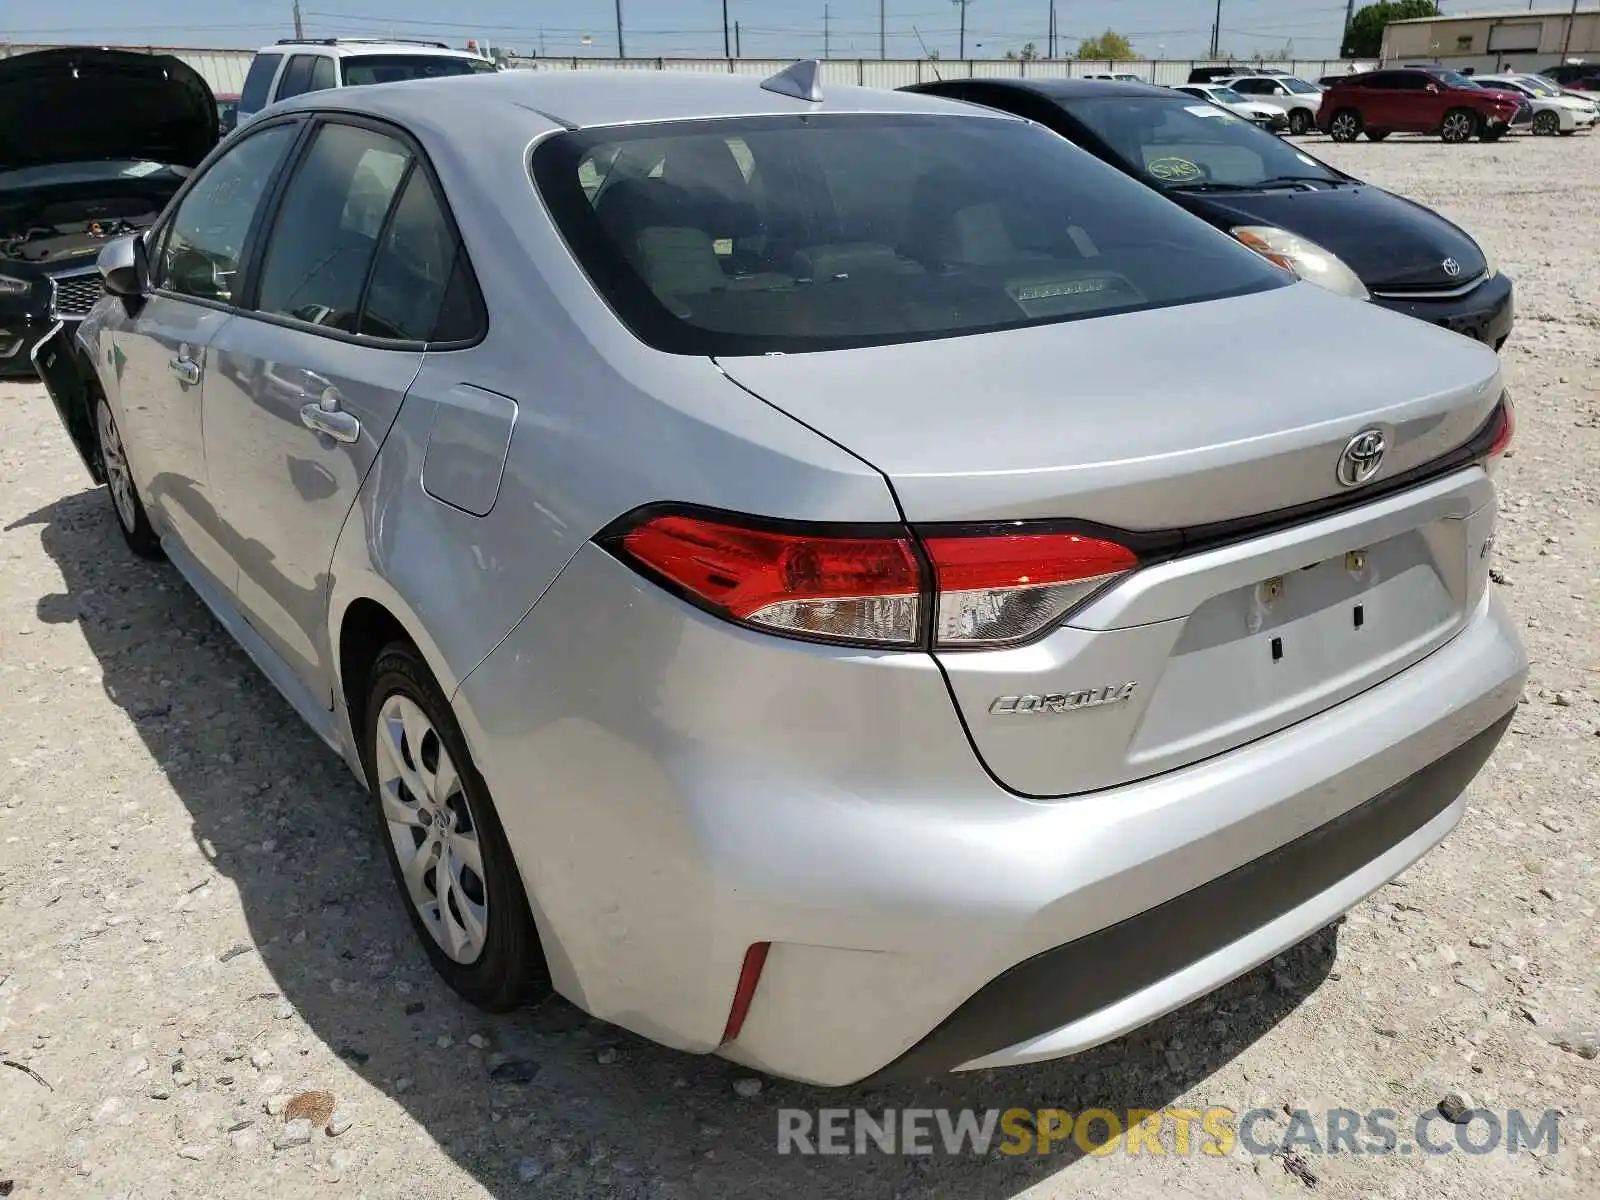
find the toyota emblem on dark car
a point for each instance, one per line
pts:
(1451, 267)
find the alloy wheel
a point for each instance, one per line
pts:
(1345, 127)
(433, 829)
(1458, 127)
(1547, 123)
(115, 461)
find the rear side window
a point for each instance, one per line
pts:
(856, 230)
(323, 75)
(328, 226)
(297, 76)
(411, 296)
(257, 82)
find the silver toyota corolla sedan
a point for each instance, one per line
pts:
(799, 574)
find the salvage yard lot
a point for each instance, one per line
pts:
(197, 915)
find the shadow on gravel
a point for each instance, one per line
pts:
(287, 825)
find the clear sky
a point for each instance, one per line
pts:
(770, 28)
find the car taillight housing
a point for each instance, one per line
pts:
(887, 586)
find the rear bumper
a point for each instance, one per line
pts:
(676, 789)
(1485, 314)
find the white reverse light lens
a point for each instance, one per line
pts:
(1304, 257)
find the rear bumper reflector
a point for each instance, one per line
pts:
(755, 959)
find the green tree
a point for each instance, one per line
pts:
(1028, 54)
(1109, 45)
(1364, 38)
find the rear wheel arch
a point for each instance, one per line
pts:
(365, 628)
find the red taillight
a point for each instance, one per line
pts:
(859, 589)
(1505, 430)
(999, 589)
(990, 587)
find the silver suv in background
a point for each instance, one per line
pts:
(292, 68)
(797, 573)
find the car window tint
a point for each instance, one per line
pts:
(327, 228)
(257, 82)
(413, 268)
(1177, 143)
(323, 75)
(202, 249)
(857, 230)
(393, 68)
(296, 76)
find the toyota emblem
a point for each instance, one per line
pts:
(1451, 267)
(1363, 455)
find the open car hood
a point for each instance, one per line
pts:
(81, 104)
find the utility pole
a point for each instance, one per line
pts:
(1216, 30)
(883, 40)
(726, 51)
(1349, 15)
(1050, 37)
(299, 31)
(622, 50)
(962, 52)
(827, 36)
(1566, 39)
(738, 48)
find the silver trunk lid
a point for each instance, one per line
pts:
(1180, 419)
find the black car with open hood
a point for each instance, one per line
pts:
(1308, 217)
(93, 143)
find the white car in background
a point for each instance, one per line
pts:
(1291, 95)
(1264, 115)
(1553, 111)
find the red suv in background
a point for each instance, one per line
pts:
(1411, 100)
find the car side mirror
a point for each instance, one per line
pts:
(123, 266)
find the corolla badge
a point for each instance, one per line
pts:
(1062, 702)
(1362, 456)
(1451, 267)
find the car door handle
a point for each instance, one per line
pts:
(185, 368)
(340, 426)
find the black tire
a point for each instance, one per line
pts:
(1346, 125)
(510, 971)
(1300, 122)
(1377, 135)
(1459, 126)
(1546, 124)
(126, 504)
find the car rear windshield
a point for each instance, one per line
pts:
(789, 234)
(1299, 86)
(393, 68)
(1176, 143)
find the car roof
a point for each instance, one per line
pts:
(357, 49)
(1053, 89)
(584, 99)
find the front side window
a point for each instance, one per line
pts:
(323, 75)
(326, 232)
(1300, 87)
(393, 68)
(824, 232)
(1455, 79)
(200, 257)
(1173, 144)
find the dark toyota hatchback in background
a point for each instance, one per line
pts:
(1326, 226)
(93, 143)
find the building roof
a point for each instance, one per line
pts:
(1496, 14)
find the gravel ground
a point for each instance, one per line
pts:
(199, 923)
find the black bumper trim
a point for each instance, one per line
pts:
(1071, 981)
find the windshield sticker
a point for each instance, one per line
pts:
(1067, 287)
(140, 170)
(1174, 170)
(1209, 110)
(1308, 160)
